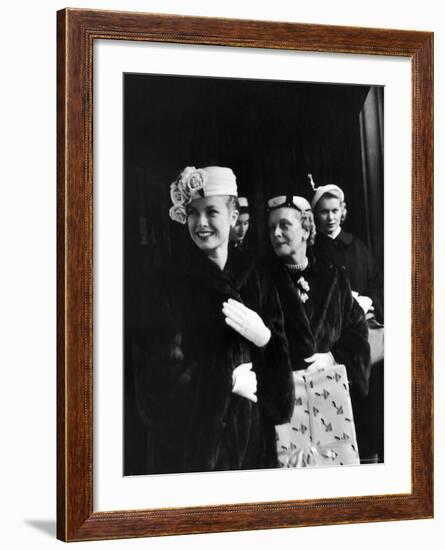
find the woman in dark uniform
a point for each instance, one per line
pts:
(350, 254)
(346, 250)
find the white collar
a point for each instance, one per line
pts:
(335, 234)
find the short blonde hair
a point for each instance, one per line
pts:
(308, 224)
(232, 202)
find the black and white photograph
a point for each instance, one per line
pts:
(253, 274)
(213, 213)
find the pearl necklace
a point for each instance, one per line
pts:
(298, 267)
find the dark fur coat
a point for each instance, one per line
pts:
(185, 360)
(330, 321)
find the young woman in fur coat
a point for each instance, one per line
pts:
(213, 374)
(324, 324)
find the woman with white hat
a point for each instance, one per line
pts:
(350, 254)
(324, 327)
(213, 375)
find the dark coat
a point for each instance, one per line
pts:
(186, 357)
(330, 321)
(349, 252)
(245, 246)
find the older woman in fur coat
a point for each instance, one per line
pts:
(213, 375)
(324, 324)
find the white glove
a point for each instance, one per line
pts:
(320, 361)
(245, 321)
(244, 382)
(363, 301)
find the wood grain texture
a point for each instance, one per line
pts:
(77, 30)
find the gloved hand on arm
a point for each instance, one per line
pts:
(365, 302)
(246, 322)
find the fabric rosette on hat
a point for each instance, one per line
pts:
(194, 183)
(178, 213)
(177, 196)
(191, 180)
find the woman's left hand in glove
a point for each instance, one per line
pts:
(320, 361)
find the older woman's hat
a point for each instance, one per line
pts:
(288, 201)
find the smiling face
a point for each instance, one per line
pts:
(329, 214)
(209, 221)
(288, 238)
(238, 232)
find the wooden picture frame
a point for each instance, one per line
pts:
(77, 31)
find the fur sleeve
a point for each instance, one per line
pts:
(176, 390)
(352, 348)
(275, 381)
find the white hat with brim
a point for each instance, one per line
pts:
(331, 189)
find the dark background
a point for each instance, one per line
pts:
(272, 134)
